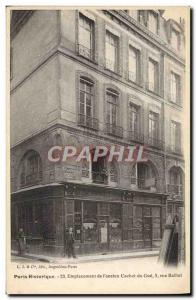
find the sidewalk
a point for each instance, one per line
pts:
(89, 258)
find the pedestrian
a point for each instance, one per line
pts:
(21, 242)
(70, 243)
(66, 232)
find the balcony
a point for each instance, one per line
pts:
(100, 176)
(175, 149)
(111, 65)
(31, 179)
(144, 184)
(135, 136)
(85, 52)
(175, 189)
(132, 76)
(88, 122)
(114, 130)
(155, 143)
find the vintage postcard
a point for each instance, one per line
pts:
(98, 150)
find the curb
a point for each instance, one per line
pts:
(86, 259)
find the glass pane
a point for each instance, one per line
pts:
(156, 228)
(156, 211)
(90, 231)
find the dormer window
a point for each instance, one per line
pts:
(153, 22)
(175, 39)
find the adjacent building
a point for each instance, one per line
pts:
(96, 77)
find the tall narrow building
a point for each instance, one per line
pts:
(96, 78)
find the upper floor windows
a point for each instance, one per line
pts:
(134, 64)
(153, 22)
(113, 113)
(175, 88)
(86, 104)
(86, 37)
(175, 39)
(175, 137)
(111, 51)
(30, 169)
(153, 75)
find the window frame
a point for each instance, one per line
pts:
(108, 37)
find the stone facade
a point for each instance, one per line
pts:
(46, 68)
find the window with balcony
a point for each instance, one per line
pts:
(153, 22)
(176, 137)
(175, 88)
(134, 63)
(143, 176)
(111, 51)
(86, 104)
(176, 181)
(99, 169)
(175, 39)
(86, 37)
(153, 76)
(31, 169)
(153, 135)
(113, 113)
(134, 123)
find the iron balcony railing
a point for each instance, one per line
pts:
(175, 149)
(88, 122)
(31, 179)
(85, 52)
(156, 143)
(175, 189)
(111, 65)
(112, 129)
(100, 176)
(132, 76)
(144, 184)
(136, 136)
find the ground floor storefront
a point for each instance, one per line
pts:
(103, 219)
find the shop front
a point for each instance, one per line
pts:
(104, 219)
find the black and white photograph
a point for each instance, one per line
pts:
(99, 139)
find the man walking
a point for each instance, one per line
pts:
(70, 243)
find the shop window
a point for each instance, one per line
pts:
(90, 222)
(115, 223)
(137, 223)
(78, 220)
(156, 223)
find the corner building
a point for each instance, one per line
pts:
(96, 77)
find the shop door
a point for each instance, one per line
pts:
(147, 227)
(103, 233)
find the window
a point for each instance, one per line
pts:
(90, 222)
(152, 22)
(175, 39)
(86, 37)
(133, 118)
(175, 136)
(115, 223)
(111, 51)
(113, 114)
(153, 126)
(99, 170)
(86, 102)
(175, 88)
(31, 169)
(112, 107)
(153, 75)
(113, 174)
(133, 64)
